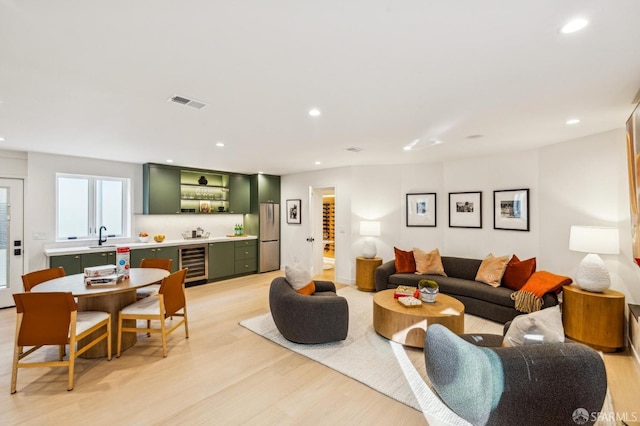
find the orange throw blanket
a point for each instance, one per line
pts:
(529, 297)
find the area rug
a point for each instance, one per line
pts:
(383, 365)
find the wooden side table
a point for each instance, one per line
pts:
(365, 273)
(595, 319)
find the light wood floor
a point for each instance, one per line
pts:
(223, 374)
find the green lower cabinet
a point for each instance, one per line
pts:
(170, 252)
(245, 256)
(75, 263)
(71, 263)
(232, 258)
(221, 260)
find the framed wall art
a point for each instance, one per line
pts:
(421, 209)
(294, 211)
(511, 209)
(465, 210)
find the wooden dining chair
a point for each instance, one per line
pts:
(34, 278)
(53, 319)
(160, 263)
(169, 302)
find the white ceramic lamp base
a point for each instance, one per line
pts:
(592, 274)
(368, 249)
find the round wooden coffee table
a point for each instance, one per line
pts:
(407, 326)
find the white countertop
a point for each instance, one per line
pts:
(60, 251)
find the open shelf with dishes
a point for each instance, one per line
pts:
(203, 192)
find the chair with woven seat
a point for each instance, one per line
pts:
(53, 319)
(160, 263)
(169, 302)
(34, 278)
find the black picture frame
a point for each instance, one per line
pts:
(421, 209)
(465, 209)
(511, 209)
(294, 211)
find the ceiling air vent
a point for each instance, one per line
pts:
(187, 102)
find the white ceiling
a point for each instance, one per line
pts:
(92, 78)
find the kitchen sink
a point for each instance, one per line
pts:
(103, 246)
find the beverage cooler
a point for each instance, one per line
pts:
(196, 259)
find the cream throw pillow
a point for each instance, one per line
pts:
(543, 326)
(428, 263)
(492, 269)
(300, 280)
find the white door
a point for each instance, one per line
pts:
(315, 221)
(11, 239)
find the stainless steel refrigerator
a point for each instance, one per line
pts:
(269, 237)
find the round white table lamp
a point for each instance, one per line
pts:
(592, 274)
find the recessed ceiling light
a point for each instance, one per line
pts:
(314, 112)
(475, 136)
(317, 163)
(169, 161)
(1, 139)
(574, 25)
(573, 121)
(220, 144)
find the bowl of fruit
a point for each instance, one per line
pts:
(143, 237)
(159, 238)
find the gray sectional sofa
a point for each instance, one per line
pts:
(478, 298)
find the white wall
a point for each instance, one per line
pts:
(40, 195)
(40, 204)
(583, 181)
(294, 248)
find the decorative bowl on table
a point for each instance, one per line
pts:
(159, 238)
(144, 238)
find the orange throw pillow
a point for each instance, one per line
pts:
(405, 262)
(300, 280)
(518, 272)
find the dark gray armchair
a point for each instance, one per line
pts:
(320, 318)
(554, 383)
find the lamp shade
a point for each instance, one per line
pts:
(594, 239)
(369, 228)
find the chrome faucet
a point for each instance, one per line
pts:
(100, 240)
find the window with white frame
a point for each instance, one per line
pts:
(85, 203)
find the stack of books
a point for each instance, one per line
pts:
(100, 276)
(406, 291)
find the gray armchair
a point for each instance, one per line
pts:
(320, 318)
(555, 383)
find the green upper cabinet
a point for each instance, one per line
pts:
(264, 189)
(161, 189)
(269, 189)
(239, 194)
(172, 189)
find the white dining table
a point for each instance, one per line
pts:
(105, 298)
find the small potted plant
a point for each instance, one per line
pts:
(428, 290)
